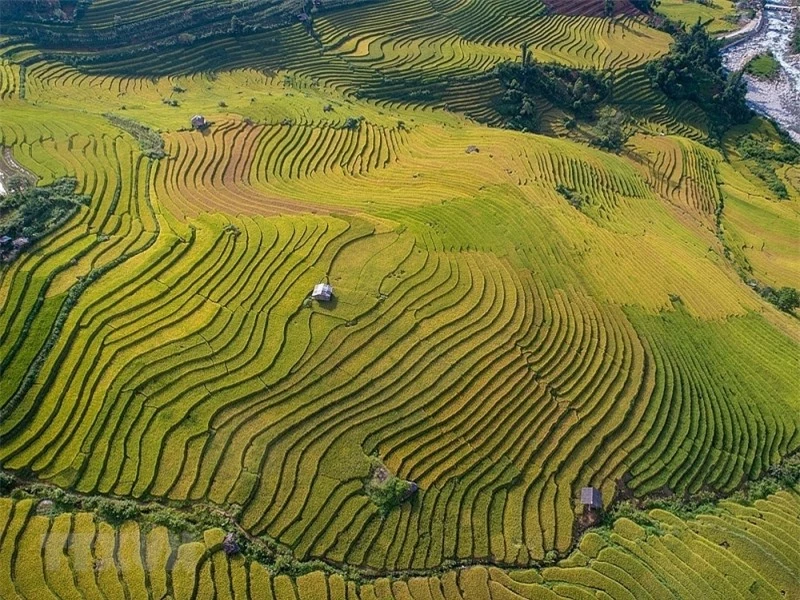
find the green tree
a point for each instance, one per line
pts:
(787, 299)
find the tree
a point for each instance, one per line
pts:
(608, 7)
(787, 299)
(611, 126)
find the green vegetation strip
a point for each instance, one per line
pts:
(150, 142)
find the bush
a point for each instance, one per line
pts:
(7, 482)
(612, 134)
(796, 39)
(172, 520)
(386, 490)
(117, 511)
(645, 6)
(575, 199)
(629, 510)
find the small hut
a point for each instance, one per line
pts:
(199, 122)
(20, 243)
(5, 241)
(591, 498)
(323, 292)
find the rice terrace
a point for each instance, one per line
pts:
(399, 299)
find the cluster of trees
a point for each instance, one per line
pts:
(33, 211)
(578, 91)
(786, 298)
(764, 158)
(693, 70)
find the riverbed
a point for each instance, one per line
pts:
(779, 99)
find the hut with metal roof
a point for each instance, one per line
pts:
(323, 292)
(591, 498)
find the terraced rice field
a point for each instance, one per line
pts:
(196, 372)
(487, 340)
(719, 15)
(737, 551)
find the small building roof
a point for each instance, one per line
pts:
(5, 240)
(20, 242)
(591, 496)
(322, 291)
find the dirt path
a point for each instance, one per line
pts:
(751, 26)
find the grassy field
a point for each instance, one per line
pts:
(764, 66)
(487, 340)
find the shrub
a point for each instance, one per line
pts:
(630, 511)
(575, 199)
(7, 482)
(117, 511)
(645, 5)
(612, 134)
(387, 490)
(172, 520)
